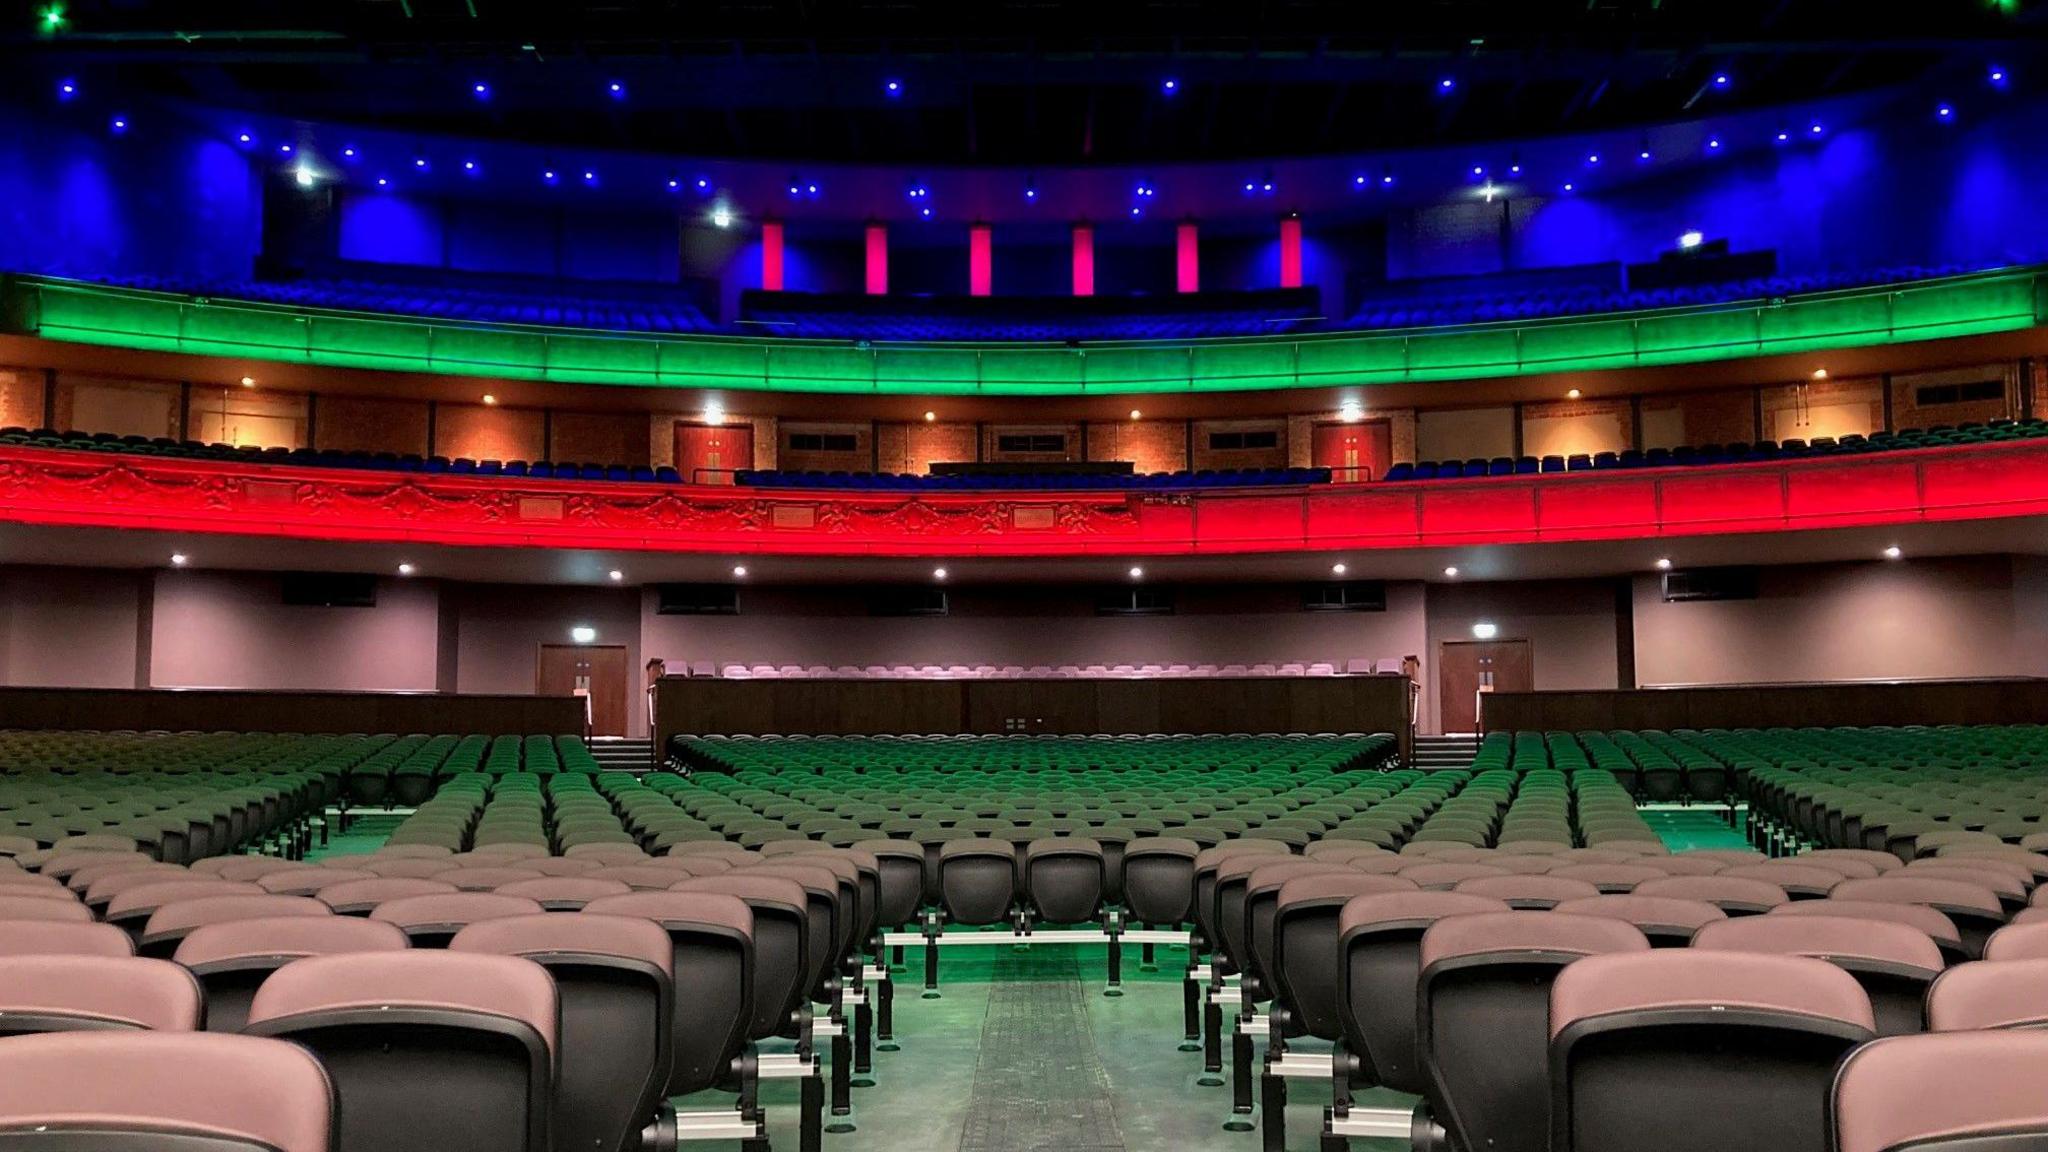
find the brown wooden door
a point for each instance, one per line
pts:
(596, 671)
(710, 453)
(1354, 452)
(1469, 669)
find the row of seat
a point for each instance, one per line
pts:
(1452, 974)
(1941, 436)
(756, 939)
(1025, 480)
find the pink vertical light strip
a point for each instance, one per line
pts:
(878, 259)
(1187, 257)
(980, 261)
(1084, 260)
(771, 255)
(1290, 252)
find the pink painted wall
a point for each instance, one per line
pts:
(1570, 625)
(1913, 619)
(68, 627)
(1054, 627)
(233, 630)
(499, 629)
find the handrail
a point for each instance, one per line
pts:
(1997, 301)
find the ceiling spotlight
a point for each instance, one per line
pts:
(383, 181)
(1137, 573)
(303, 176)
(1713, 143)
(1137, 415)
(1446, 84)
(284, 149)
(489, 399)
(582, 633)
(1169, 85)
(469, 165)
(616, 89)
(1485, 630)
(179, 559)
(1592, 158)
(1572, 393)
(938, 573)
(1351, 412)
(1643, 155)
(420, 162)
(248, 381)
(1690, 240)
(589, 177)
(119, 124)
(1568, 187)
(1944, 112)
(1783, 136)
(52, 18)
(349, 152)
(1338, 569)
(1663, 563)
(243, 138)
(66, 89)
(406, 569)
(739, 571)
(1820, 373)
(1997, 75)
(721, 215)
(893, 87)
(616, 575)
(548, 176)
(1814, 128)
(713, 414)
(1720, 79)
(480, 90)
(1893, 553)
(1452, 572)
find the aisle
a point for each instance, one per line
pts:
(1023, 1053)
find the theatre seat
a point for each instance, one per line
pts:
(615, 1048)
(429, 1051)
(155, 1092)
(1483, 1019)
(1959, 1092)
(1705, 1051)
(1895, 963)
(77, 993)
(232, 959)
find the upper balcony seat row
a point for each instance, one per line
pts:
(1997, 431)
(1205, 478)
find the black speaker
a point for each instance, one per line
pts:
(696, 600)
(1710, 584)
(329, 590)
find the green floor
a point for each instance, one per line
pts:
(1022, 1052)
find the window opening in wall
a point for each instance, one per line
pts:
(1976, 390)
(822, 442)
(1032, 442)
(1241, 441)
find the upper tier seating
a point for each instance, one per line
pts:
(1939, 436)
(653, 308)
(1038, 481)
(623, 308)
(1437, 308)
(809, 316)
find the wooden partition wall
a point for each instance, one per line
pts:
(2014, 701)
(84, 709)
(702, 706)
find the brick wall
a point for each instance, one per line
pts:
(21, 398)
(1699, 418)
(370, 424)
(481, 432)
(859, 458)
(914, 447)
(1906, 389)
(598, 437)
(1150, 445)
